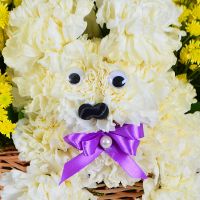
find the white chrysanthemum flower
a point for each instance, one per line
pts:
(39, 26)
(142, 16)
(41, 183)
(40, 137)
(185, 189)
(175, 157)
(142, 30)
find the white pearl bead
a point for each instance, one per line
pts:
(106, 142)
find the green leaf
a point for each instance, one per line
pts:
(12, 114)
(195, 107)
(20, 115)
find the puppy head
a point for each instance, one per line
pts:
(95, 92)
(100, 82)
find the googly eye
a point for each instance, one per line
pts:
(117, 79)
(75, 76)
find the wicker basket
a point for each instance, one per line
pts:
(9, 160)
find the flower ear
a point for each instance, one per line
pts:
(140, 32)
(40, 28)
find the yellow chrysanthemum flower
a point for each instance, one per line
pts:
(191, 53)
(3, 114)
(194, 67)
(185, 14)
(7, 127)
(5, 88)
(4, 78)
(7, 2)
(188, 3)
(196, 12)
(195, 56)
(184, 55)
(4, 14)
(5, 99)
(17, 2)
(193, 28)
(5, 94)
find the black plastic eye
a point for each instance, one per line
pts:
(118, 79)
(74, 78)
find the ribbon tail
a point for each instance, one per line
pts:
(127, 163)
(78, 163)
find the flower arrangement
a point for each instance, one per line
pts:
(101, 102)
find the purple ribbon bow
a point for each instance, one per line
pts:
(119, 145)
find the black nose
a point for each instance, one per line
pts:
(98, 111)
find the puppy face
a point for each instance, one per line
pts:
(98, 93)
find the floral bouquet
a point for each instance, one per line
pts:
(105, 95)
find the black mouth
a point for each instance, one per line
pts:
(98, 111)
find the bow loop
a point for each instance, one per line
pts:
(75, 140)
(130, 131)
(90, 146)
(128, 146)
